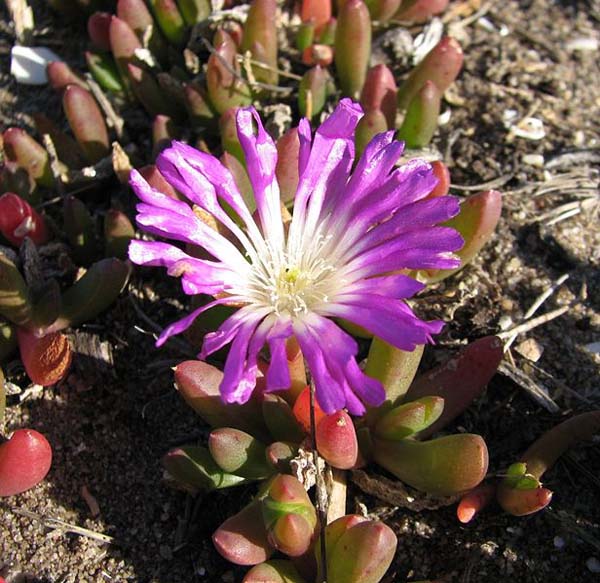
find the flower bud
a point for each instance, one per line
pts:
(352, 46)
(25, 459)
(87, 122)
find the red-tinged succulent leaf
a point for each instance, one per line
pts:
(123, 43)
(352, 47)
(170, 21)
(442, 65)
(441, 172)
(157, 180)
(315, 81)
(280, 453)
(381, 93)
(362, 554)
(15, 298)
(198, 104)
(319, 11)
(60, 75)
(19, 220)
(8, 341)
(288, 148)
(522, 502)
(280, 419)
(421, 118)
(409, 418)
(458, 381)
(67, 150)
(103, 68)
(382, 10)
(305, 35)
(444, 466)
(25, 460)
(80, 229)
(198, 384)
(46, 359)
(229, 136)
(2, 393)
(118, 232)
(225, 89)
(148, 92)
(370, 124)
(260, 38)
(194, 11)
(473, 502)
(301, 411)
(242, 539)
(336, 440)
(327, 34)
(98, 26)
(192, 469)
(87, 122)
(420, 10)
(242, 181)
(21, 148)
(275, 571)
(542, 454)
(395, 369)
(291, 535)
(93, 293)
(318, 54)
(237, 452)
(476, 222)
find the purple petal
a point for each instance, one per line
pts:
(154, 254)
(278, 375)
(181, 325)
(396, 286)
(261, 159)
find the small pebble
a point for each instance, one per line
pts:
(28, 64)
(559, 542)
(593, 565)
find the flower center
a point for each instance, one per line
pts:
(291, 285)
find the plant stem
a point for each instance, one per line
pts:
(320, 487)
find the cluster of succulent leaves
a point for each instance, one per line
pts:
(189, 67)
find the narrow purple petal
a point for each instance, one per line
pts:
(181, 325)
(154, 253)
(278, 374)
(153, 197)
(396, 286)
(261, 159)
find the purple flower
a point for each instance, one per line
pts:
(350, 234)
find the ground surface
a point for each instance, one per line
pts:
(110, 424)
